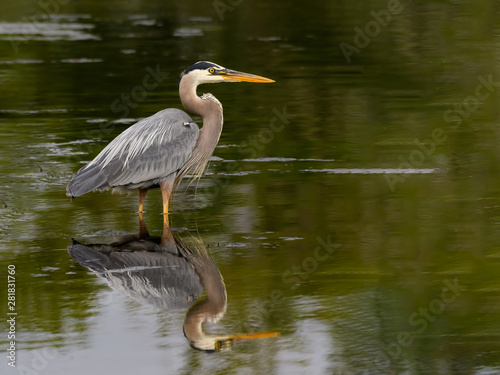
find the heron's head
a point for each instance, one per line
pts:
(208, 72)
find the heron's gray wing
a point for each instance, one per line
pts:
(154, 162)
(151, 149)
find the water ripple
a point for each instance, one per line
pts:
(46, 31)
(375, 170)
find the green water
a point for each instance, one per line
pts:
(353, 206)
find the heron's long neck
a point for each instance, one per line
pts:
(210, 109)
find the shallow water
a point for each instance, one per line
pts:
(352, 206)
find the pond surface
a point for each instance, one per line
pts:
(353, 206)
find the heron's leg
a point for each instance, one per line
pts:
(142, 197)
(166, 191)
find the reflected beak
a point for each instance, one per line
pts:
(225, 343)
(258, 335)
(234, 76)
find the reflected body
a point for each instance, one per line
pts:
(160, 150)
(168, 274)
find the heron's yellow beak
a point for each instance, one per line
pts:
(234, 76)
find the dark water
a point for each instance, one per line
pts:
(353, 206)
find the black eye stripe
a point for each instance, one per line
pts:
(202, 65)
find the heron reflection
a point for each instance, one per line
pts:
(167, 274)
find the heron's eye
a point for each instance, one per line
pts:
(211, 70)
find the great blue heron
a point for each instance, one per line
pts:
(160, 150)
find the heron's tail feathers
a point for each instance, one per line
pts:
(86, 180)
